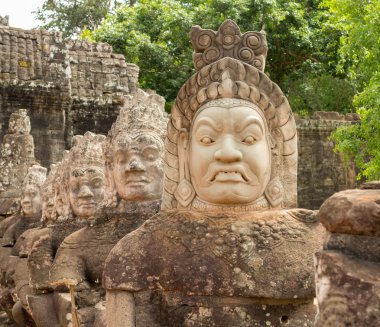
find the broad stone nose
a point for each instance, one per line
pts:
(135, 164)
(85, 191)
(228, 151)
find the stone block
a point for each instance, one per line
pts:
(348, 291)
(352, 212)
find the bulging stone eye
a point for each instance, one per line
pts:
(206, 140)
(249, 140)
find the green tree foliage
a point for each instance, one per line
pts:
(360, 52)
(72, 16)
(154, 35)
(302, 44)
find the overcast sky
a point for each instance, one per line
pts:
(20, 12)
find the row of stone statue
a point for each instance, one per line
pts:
(186, 221)
(104, 187)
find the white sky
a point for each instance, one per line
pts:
(20, 12)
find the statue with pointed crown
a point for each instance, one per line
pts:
(50, 233)
(228, 247)
(21, 312)
(16, 156)
(29, 219)
(71, 198)
(134, 167)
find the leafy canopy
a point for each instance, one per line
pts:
(302, 46)
(72, 16)
(360, 52)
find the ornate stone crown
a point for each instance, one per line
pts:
(224, 73)
(36, 176)
(60, 186)
(19, 122)
(47, 186)
(142, 112)
(210, 46)
(87, 150)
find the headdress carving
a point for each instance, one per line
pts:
(87, 151)
(59, 185)
(142, 113)
(19, 122)
(231, 77)
(210, 46)
(36, 176)
(47, 188)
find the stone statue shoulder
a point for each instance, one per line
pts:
(68, 266)
(9, 237)
(254, 254)
(7, 222)
(26, 240)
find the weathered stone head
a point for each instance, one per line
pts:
(16, 152)
(19, 122)
(84, 180)
(60, 195)
(134, 151)
(232, 136)
(31, 200)
(19, 142)
(48, 209)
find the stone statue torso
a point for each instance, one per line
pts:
(218, 263)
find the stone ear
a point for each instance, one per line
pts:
(184, 193)
(110, 193)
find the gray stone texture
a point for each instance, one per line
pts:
(348, 268)
(16, 156)
(68, 86)
(321, 171)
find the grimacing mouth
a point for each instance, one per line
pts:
(232, 172)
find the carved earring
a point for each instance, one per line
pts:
(185, 192)
(274, 193)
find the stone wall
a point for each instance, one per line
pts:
(67, 86)
(321, 172)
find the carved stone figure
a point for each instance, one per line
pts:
(134, 173)
(31, 205)
(23, 247)
(348, 268)
(78, 187)
(16, 156)
(223, 251)
(12, 267)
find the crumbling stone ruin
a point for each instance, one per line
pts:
(4, 20)
(348, 268)
(321, 172)
(69, 87)
(16, 156)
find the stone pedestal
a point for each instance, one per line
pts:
(348, 269)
